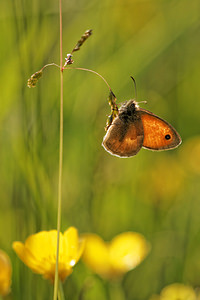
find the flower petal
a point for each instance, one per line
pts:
(43, 244)
(72, 246)
(127, 250)
(27, 257)
(5, 273)
(96, 255)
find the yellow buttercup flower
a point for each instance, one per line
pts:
(5, 273)
(176, 291)
(39, 252)
(112, 260)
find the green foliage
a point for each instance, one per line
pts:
(156, 194)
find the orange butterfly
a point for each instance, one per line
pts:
(134, 128)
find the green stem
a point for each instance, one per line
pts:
(92, 71)
(60, 292)
(60, 160)
(116, 291)
(48, 65)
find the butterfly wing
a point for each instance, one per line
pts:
(158, 134)
(124, 139)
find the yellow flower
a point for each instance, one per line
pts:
(112, 260)
(39, 252)
(177, 291)
(5, 273)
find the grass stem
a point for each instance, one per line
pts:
(60, 159)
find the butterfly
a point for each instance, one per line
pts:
(134, 128)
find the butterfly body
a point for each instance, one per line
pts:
(135, 128)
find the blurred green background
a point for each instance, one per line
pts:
(155, 194)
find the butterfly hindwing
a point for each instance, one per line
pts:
(124, 140)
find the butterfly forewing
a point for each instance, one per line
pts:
(158, 134)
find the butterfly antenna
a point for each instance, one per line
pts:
(134, 87)
(136, 91)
